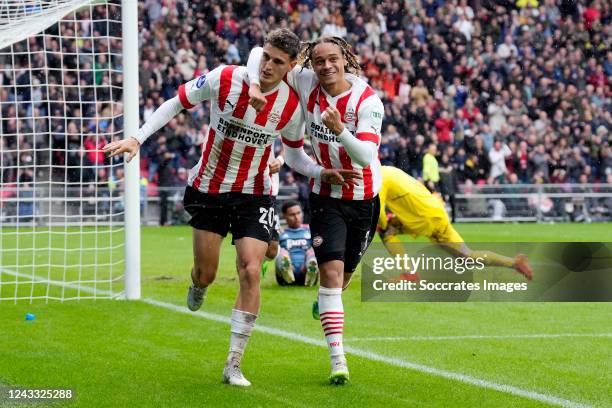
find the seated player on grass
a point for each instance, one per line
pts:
(415, 211)
(296, 263)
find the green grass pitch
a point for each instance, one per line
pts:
(137, 354)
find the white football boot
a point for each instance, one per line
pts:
(232, 374)
(340, 373)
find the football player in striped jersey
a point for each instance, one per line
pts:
(229, 189)
(343, 118)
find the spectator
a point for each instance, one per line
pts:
(539, 161)
(448, 184)
(497, 157)
(507, 49)
(443, 128)
(166, 180)
(497, 112)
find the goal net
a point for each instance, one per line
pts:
(62, 212)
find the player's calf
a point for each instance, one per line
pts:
(332, 322)
(249, 293)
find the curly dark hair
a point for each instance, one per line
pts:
(285, 40)
(352, 63)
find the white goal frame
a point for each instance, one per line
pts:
(21, 19)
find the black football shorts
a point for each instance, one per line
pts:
(342, 229)
(245, 215)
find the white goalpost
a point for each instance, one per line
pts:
(69, 217)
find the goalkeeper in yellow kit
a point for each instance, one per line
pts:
(417, 212)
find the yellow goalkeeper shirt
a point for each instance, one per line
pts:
(419, 211)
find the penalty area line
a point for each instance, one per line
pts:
(369, 355)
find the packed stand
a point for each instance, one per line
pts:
(475, 91)
(507, 93)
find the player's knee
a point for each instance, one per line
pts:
(204, 275)
(249, 274)
(283, 253)
(331, 274)
(282, 261)
(311, 263)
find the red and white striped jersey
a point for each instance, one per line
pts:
(361, 111)
(237, 148)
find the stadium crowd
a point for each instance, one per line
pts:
(486, 91)
(461, 75)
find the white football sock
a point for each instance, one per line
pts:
(332, 320)
(241, 326)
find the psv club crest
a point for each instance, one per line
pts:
(349, 115)
(274, 117)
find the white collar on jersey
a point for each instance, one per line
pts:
(271, 91)
(349, 77)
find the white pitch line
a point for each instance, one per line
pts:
(479, 337)
(508, 389)
(35, 278)
(369, 355)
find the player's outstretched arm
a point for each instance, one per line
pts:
(160, 117)
(195, 91)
